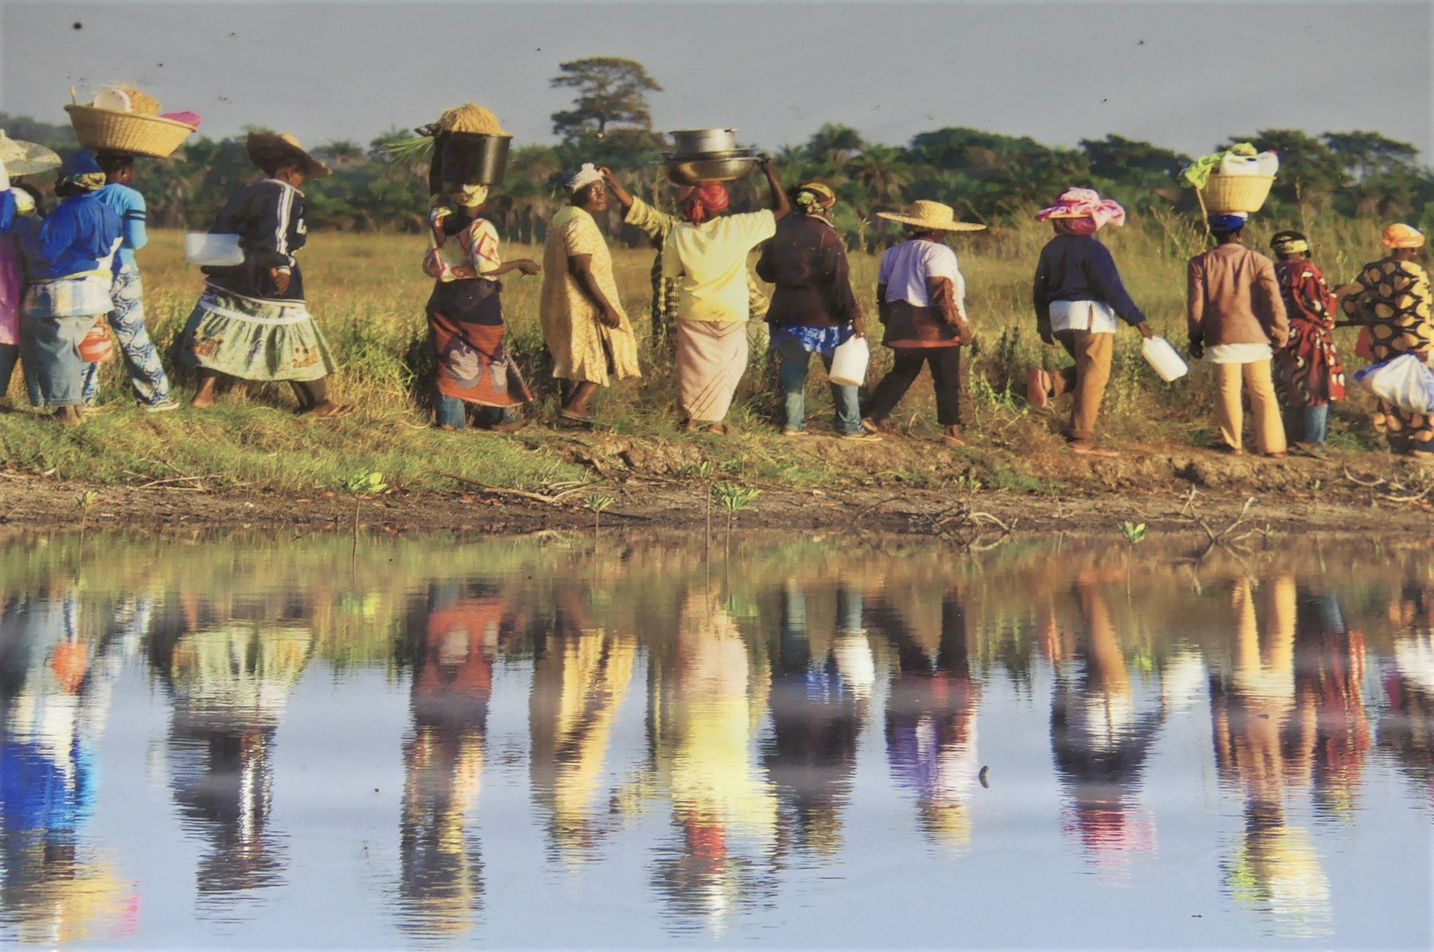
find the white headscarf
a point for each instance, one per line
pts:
(582, 178)
(469, 196)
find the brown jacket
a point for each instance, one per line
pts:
(1234, 298)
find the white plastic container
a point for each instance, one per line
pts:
(849, 363)
(1158, 352)
(213, 250)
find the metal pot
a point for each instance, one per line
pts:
(691, 141)
(467, 158)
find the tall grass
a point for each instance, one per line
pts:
(367, 292)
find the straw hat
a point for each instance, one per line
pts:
(931, 216)
(266, 147)
(26, 158)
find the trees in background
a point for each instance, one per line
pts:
(986, 176)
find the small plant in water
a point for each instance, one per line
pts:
(596, 503)
(365, 483)
(1132, 531)
(734, 499)
(969, 483)
(84, 501)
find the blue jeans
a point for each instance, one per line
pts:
(454, 412)
(1317, 423)
(792, 378)
(141, 357)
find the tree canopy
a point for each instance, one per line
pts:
(611, 91)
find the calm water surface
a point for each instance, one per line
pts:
(247, 743)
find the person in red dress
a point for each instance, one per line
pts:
(1308, 374)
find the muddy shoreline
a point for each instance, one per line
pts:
(1373, 503)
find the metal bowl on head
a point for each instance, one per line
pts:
(704, 140)
(691, 171)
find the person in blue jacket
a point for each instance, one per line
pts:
(141, 357)
(1078, 296)
(69, 258)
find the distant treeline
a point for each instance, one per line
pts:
(986, 176)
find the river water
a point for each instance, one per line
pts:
(557, 742)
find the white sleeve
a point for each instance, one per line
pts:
(940, 262)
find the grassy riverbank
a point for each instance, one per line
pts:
(367, 292)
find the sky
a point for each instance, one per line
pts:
(1182, 75)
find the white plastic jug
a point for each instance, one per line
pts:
(213, 250)
(1158, 352)
(849, 363)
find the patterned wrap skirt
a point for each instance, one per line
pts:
(254, 340)
(465, 332)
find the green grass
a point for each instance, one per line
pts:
(367, 293)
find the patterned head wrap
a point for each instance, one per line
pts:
(469, 196)
(815, 198)
(1075, 226)
(1400, 235)
(1289, 243)
(1085, 203)
(582, 178)
(705, 200)
(81, 173)
(1226, 224)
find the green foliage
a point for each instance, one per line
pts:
(610, 90)
(734, 498)
(1132, 532)
(364, 483)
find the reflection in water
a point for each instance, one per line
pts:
(229, 670)
(724, 810)
(931, 714)
(456, 635)
(717, 760)
(1101, 738)
(55, 681)
(1264, 745)
(580, 677)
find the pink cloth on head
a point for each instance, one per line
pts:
(1085, 203)
(706, 198)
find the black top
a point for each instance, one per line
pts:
(1080, 268)
(268, 217)
(807, 263)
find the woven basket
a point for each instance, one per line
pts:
(114, 131)
(1227, 194)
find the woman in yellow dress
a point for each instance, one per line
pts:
(584, 325)
(1391, 298)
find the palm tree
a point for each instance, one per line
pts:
(883, 171)
(834, 143)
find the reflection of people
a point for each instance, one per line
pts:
(1407, 728)
(1274, 868)
(230, 680)
(931, 720)
(457, 634)
(53, 695)
(579, 681)
(1100, 741)
(719, 801)
(815, 723)
(1330, 701)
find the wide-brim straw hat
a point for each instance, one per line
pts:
(26, 158)
(269, 147)
(931, 216)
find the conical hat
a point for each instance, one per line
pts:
(26, 158)
(264, 146)
(931, 216)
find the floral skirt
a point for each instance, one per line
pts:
(254, 340)
(465, 331)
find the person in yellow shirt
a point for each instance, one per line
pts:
(708, 256)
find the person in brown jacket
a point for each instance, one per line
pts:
(1236, 319)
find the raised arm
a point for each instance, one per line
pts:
(781, 205)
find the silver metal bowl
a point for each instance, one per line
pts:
(705, 140)
(692, 170)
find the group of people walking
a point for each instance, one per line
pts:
(1267, 327)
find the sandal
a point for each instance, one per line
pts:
(327, 410)
(716, 429)
(587, 419)
(1091, 449)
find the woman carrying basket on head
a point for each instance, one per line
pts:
(251, 322)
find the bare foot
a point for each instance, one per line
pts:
(328, 410)
(204, 396)
(69, 416)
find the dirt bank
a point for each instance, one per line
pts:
(896, 486)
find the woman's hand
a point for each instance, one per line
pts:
(281, 280)
(610, 317)
(858, 329)
(1145, 331)
(1197, 348)
(527, 266)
